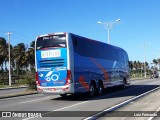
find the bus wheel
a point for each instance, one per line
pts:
(63, 95)
(92, 90)
(100, 88)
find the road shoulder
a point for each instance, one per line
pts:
(136, 110)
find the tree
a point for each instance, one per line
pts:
(135, 65)
(31, 51)
(131, 65)
(19, 52)
(155, 62)
(4, 52)
(30, 55)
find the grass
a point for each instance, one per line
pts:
(21, 82)
(13, 85)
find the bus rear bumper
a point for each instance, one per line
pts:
(55, 90)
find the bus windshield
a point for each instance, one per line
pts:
(51, 41)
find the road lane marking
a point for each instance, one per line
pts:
(71, 106)
(150, 118)
(122, 91)
(147, 102)
(113, 107)
(59, 109)
(95, 98)
(119, 105)
(35, 100)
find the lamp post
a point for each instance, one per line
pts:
(144, 60)
(145, 54)
(109, 26)
(9, 56)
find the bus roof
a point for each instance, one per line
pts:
(59, 33)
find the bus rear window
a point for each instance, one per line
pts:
(51, 41)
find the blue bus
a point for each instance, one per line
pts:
(67, 63)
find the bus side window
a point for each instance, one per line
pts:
(75, 42)
(126, 58)
(121, 57)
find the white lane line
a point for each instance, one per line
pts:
(59, 109)
(119, 105)
(35, 100)
(71, 106)
(125, 90)
(147, 102)
(150, 118)
(96, 97)
(81, 103)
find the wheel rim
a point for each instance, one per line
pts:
(100, 89)
(92, 90)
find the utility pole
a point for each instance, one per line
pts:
(9, 56)
(144, 60)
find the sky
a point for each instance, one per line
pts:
(139, 25)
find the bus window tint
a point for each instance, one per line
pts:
(87, 47)
(121, 56)
(126, 58)
(51, 41)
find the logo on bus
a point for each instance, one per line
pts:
(52, 76)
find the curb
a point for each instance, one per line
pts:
(21, 94)
(13, 87)
(17, 95)
(117, 106)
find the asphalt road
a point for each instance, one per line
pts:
(75, 107)
(12, 91)
(145, 108)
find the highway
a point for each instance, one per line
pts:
(78, 106)
(4, 91)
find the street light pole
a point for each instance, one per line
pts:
(108, 36)
(108, 26)
(144, 60)
(9, 55)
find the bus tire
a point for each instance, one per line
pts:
(100, 88)
(92, 90)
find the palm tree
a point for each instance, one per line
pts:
(19, 56)
(30, 57)
(155, 62)
(131, 65)
(4, 50)
(32, 53)
(158, 60)
(3, 54)
(135, 65)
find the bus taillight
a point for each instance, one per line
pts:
(69, 77)
(37, 80)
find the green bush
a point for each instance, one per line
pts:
(31, 84)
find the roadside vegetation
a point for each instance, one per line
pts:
(23, 65)
(137, 68)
